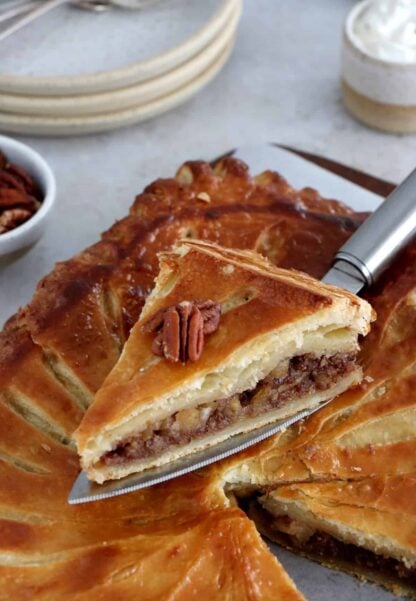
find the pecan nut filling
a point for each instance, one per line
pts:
(303, 375)
(319, 544)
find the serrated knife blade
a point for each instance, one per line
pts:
(357, 264)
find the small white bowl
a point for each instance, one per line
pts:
(25, 235)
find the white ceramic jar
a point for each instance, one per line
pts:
(379, 64)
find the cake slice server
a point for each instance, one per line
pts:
(358, 263)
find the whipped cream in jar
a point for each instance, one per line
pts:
(379, 64)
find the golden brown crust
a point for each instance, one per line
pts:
(214, 557)
(50, 550)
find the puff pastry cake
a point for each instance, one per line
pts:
(186, 539)
(260, 344)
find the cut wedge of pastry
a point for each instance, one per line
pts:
(226, 343)
(365, 527)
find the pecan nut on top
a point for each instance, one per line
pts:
(181, 329)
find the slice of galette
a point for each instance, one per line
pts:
(226, 343)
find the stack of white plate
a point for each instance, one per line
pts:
(74, 72)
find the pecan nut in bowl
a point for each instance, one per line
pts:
(20, 196)
(11, 218)
(27, 195)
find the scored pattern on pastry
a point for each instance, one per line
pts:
(55, 353)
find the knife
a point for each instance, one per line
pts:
(357, 264)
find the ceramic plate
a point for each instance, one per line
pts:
(132, 96)
(70, 51)
(106, 121)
